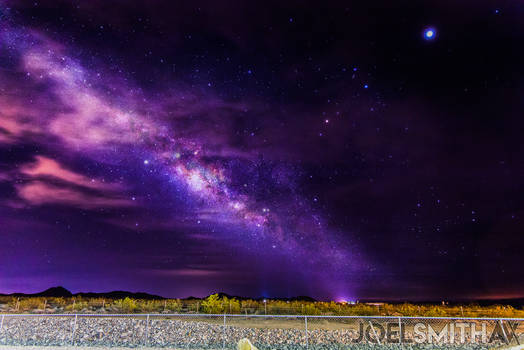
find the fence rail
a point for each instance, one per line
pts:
(289, 332)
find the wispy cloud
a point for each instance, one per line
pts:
(189, 272)
(49, 182)
(15, 120)
(38, 193)
(45, 167)
(4, 177)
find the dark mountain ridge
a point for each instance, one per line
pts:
(63, 292)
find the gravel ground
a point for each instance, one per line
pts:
(129, 332)
(10, 347)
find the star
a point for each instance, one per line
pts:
(430, 33)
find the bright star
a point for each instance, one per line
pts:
(430, 33)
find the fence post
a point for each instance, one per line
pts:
(399, 331)
(19, 333)
(503, 331)
(2, 324)
(224, 333)
(147, 330)
(307, 337)
(74, 330)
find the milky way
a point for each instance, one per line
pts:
(97, 115)
(337, 150)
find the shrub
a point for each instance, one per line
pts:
(213, 305)
(126, 305)
(28, 304)
(77, 305)
(173, 305)
(310, 309)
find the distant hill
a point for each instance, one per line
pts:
(51, 292)
(62, 292)
(301, 298)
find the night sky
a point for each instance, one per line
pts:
(336, 149)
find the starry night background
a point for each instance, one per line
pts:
(336, 149)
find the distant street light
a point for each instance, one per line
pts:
(265, 307)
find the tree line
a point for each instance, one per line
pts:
(216, 304)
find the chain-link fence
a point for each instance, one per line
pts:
(185, 331)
